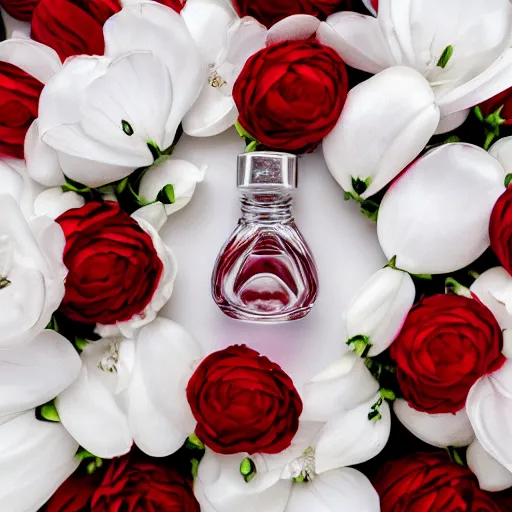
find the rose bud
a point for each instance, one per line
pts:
(290, 94)
(406, 105)
(377, 312)
(430, 481)
(19, 9)
(445, 345)
(424, 218)
(72, 27)
(243, 402)
(120, 271)
(268, 12)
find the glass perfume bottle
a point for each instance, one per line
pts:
(265, 272)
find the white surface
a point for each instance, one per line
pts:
(343, 242)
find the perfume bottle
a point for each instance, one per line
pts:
(265, 272)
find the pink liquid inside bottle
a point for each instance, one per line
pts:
(265, 271)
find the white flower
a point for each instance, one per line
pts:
(492, 476)
(138, 396)
(53, 202)
(106, 116)
(435, 217)
(438, 40)
(379, 309)
(35, 456)
(385, 123)
(183, 175)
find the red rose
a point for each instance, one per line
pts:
(19, 9)
(113, 266)
(73, 27)
(143, 487)
(446, 344)
(502, 100)
(19, 98)
(75, 494)
(290, 95)
(269, 12)
(500, 229)
(243, 403)
(430, 482)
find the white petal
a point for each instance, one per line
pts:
(181, 174)
(492, 476)
(360, 42)
(36, 373)
(208, 22)
(219, 487)
(159, 414)
(440, 430)
(293, 28)
(89, 411)
(435, 217)
(153, 213)
(388, 119)
(369, 5)
(53, 202)
(36, 457)
(153, 27)
(492, 81)
(341, 386)
(42, 161)
(36, 59)
(502, 151)
(211, 114)
(379, 309)
(342, 489)
(489, 406)
(485, 288)
(452, 121)
(351, 438)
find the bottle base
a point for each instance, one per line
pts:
(262, 318)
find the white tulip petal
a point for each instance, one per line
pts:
(441, 430)
(36, 457)
(36, 59)
(492, 476)
(153, 213)
(351, 438)
(183, 175)
(42, 161)
(342, 489)
(360, 43)
(435, 217)
(211, 114)
(159, 415)
(53, 202)
(36, 373)
(89, 411)
(485, 288)
(220, 487)
(153, 27)
(389, 118)
(292, 28)
(208, 21)
(502, 151)
(341, 386)
(379, 309)
(489, 406)
(452, 121)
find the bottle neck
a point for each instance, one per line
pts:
(267, 208)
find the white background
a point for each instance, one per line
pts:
(344, 244)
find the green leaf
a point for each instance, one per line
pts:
(387, 394)
(360, 345)
(121, 186)
(194, 443)
(299, 479)
(166, 195)
(251, 146)
(127, 128)
(360, 185)
(243, 132)
(52, 324)
(348, 196)
(370, 209)
(247, 469)
(83, 454)
(423, 277)
(49, 412)
(74, 186)
(4, 282)
(508, 179)
(195, 467)
(452, 138)
(81, 343)
(445, 57)
(478, 114)
(391, 263)
(453, 286)
(374, 416)
(155, 150)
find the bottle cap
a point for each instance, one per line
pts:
(261, 169)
